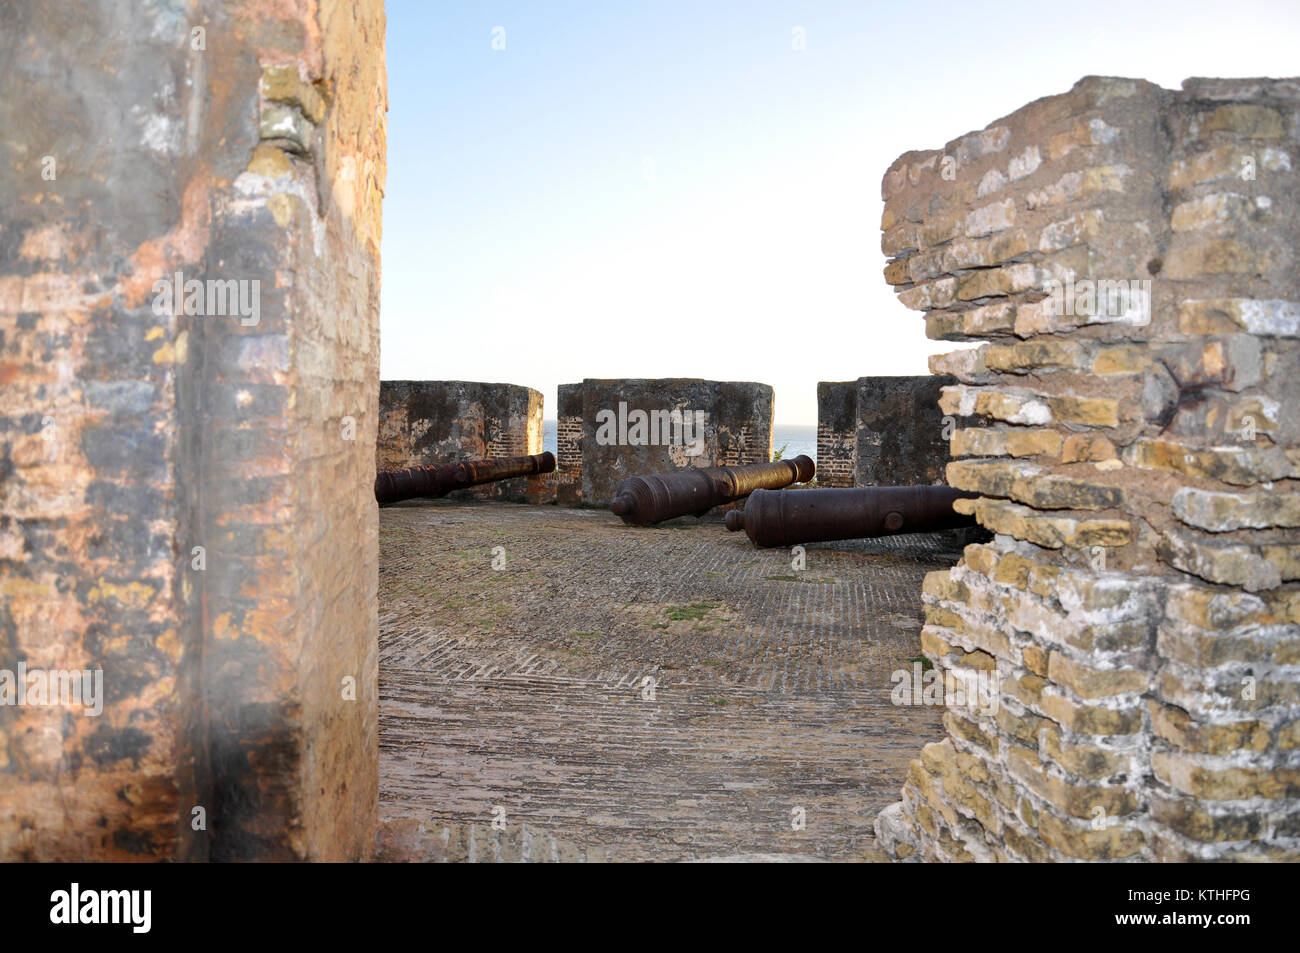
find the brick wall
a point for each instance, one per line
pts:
(737, 430)
(187, 491)
(881, 431)
(1138, 461)
(430, 422)
(837, 432)
(568, 445)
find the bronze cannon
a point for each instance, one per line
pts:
(787, 517)
(645, 500)
(392, 486)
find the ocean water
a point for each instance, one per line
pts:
(796, 438)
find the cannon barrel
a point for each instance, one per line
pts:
(787, 517)
(644, 500)
(392, 486)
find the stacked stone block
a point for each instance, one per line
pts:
(1137, 456)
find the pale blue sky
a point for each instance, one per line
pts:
(671, 190)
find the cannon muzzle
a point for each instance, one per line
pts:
(645, 500)
(393, 486)
(788, 517)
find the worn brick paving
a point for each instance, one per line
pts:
(523, 688)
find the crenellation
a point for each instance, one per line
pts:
(612, 429)
(859, 441)
(425, 423)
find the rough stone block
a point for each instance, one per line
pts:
(881, 431)
(422, 423)
(632, 427)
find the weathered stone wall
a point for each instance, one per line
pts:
(1138, 461)
(837, 432)
(881, 431)
(430, 422)
(736, 430)
(187, 484)
(568, 445)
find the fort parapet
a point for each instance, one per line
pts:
(1127, 254)
(882, 431)
(424, 423)
(612, 429)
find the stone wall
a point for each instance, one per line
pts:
(881, 431)
(186, 471)
(568, 445)
(837, 432)
(1137, 457)
(602, 436)
(429, 422)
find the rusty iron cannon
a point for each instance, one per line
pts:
(392, 486)
(787, 517)
(645, 500)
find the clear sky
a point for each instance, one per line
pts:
(671, 189)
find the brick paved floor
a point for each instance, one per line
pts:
(522, 689)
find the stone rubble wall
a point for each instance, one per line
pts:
(1138, 461)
